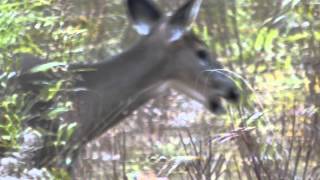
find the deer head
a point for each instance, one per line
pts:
(188, 66)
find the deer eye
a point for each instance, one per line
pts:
(204, 57)
(202, 54)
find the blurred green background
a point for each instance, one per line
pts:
(272, 48)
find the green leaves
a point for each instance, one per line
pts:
(57, 111)
(28, 27)
(47, 66)
(265, 39)
(291, 4)
(260, 39)
(16, 18)
(10, 120)
(64, 133)
(270, 38)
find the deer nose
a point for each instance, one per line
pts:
(227, 88)
(215, 106)
(233, 94)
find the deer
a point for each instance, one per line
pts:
(168, 55)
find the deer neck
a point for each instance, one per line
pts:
(138, 73)
(118, 86)
(139, 66)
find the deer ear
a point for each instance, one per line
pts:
(182, 19)
(144, 15)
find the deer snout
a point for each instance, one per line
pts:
(214, 105)
(226, 88)
(222, 87)
(232, 94)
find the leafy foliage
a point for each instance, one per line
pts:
(271, 48)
